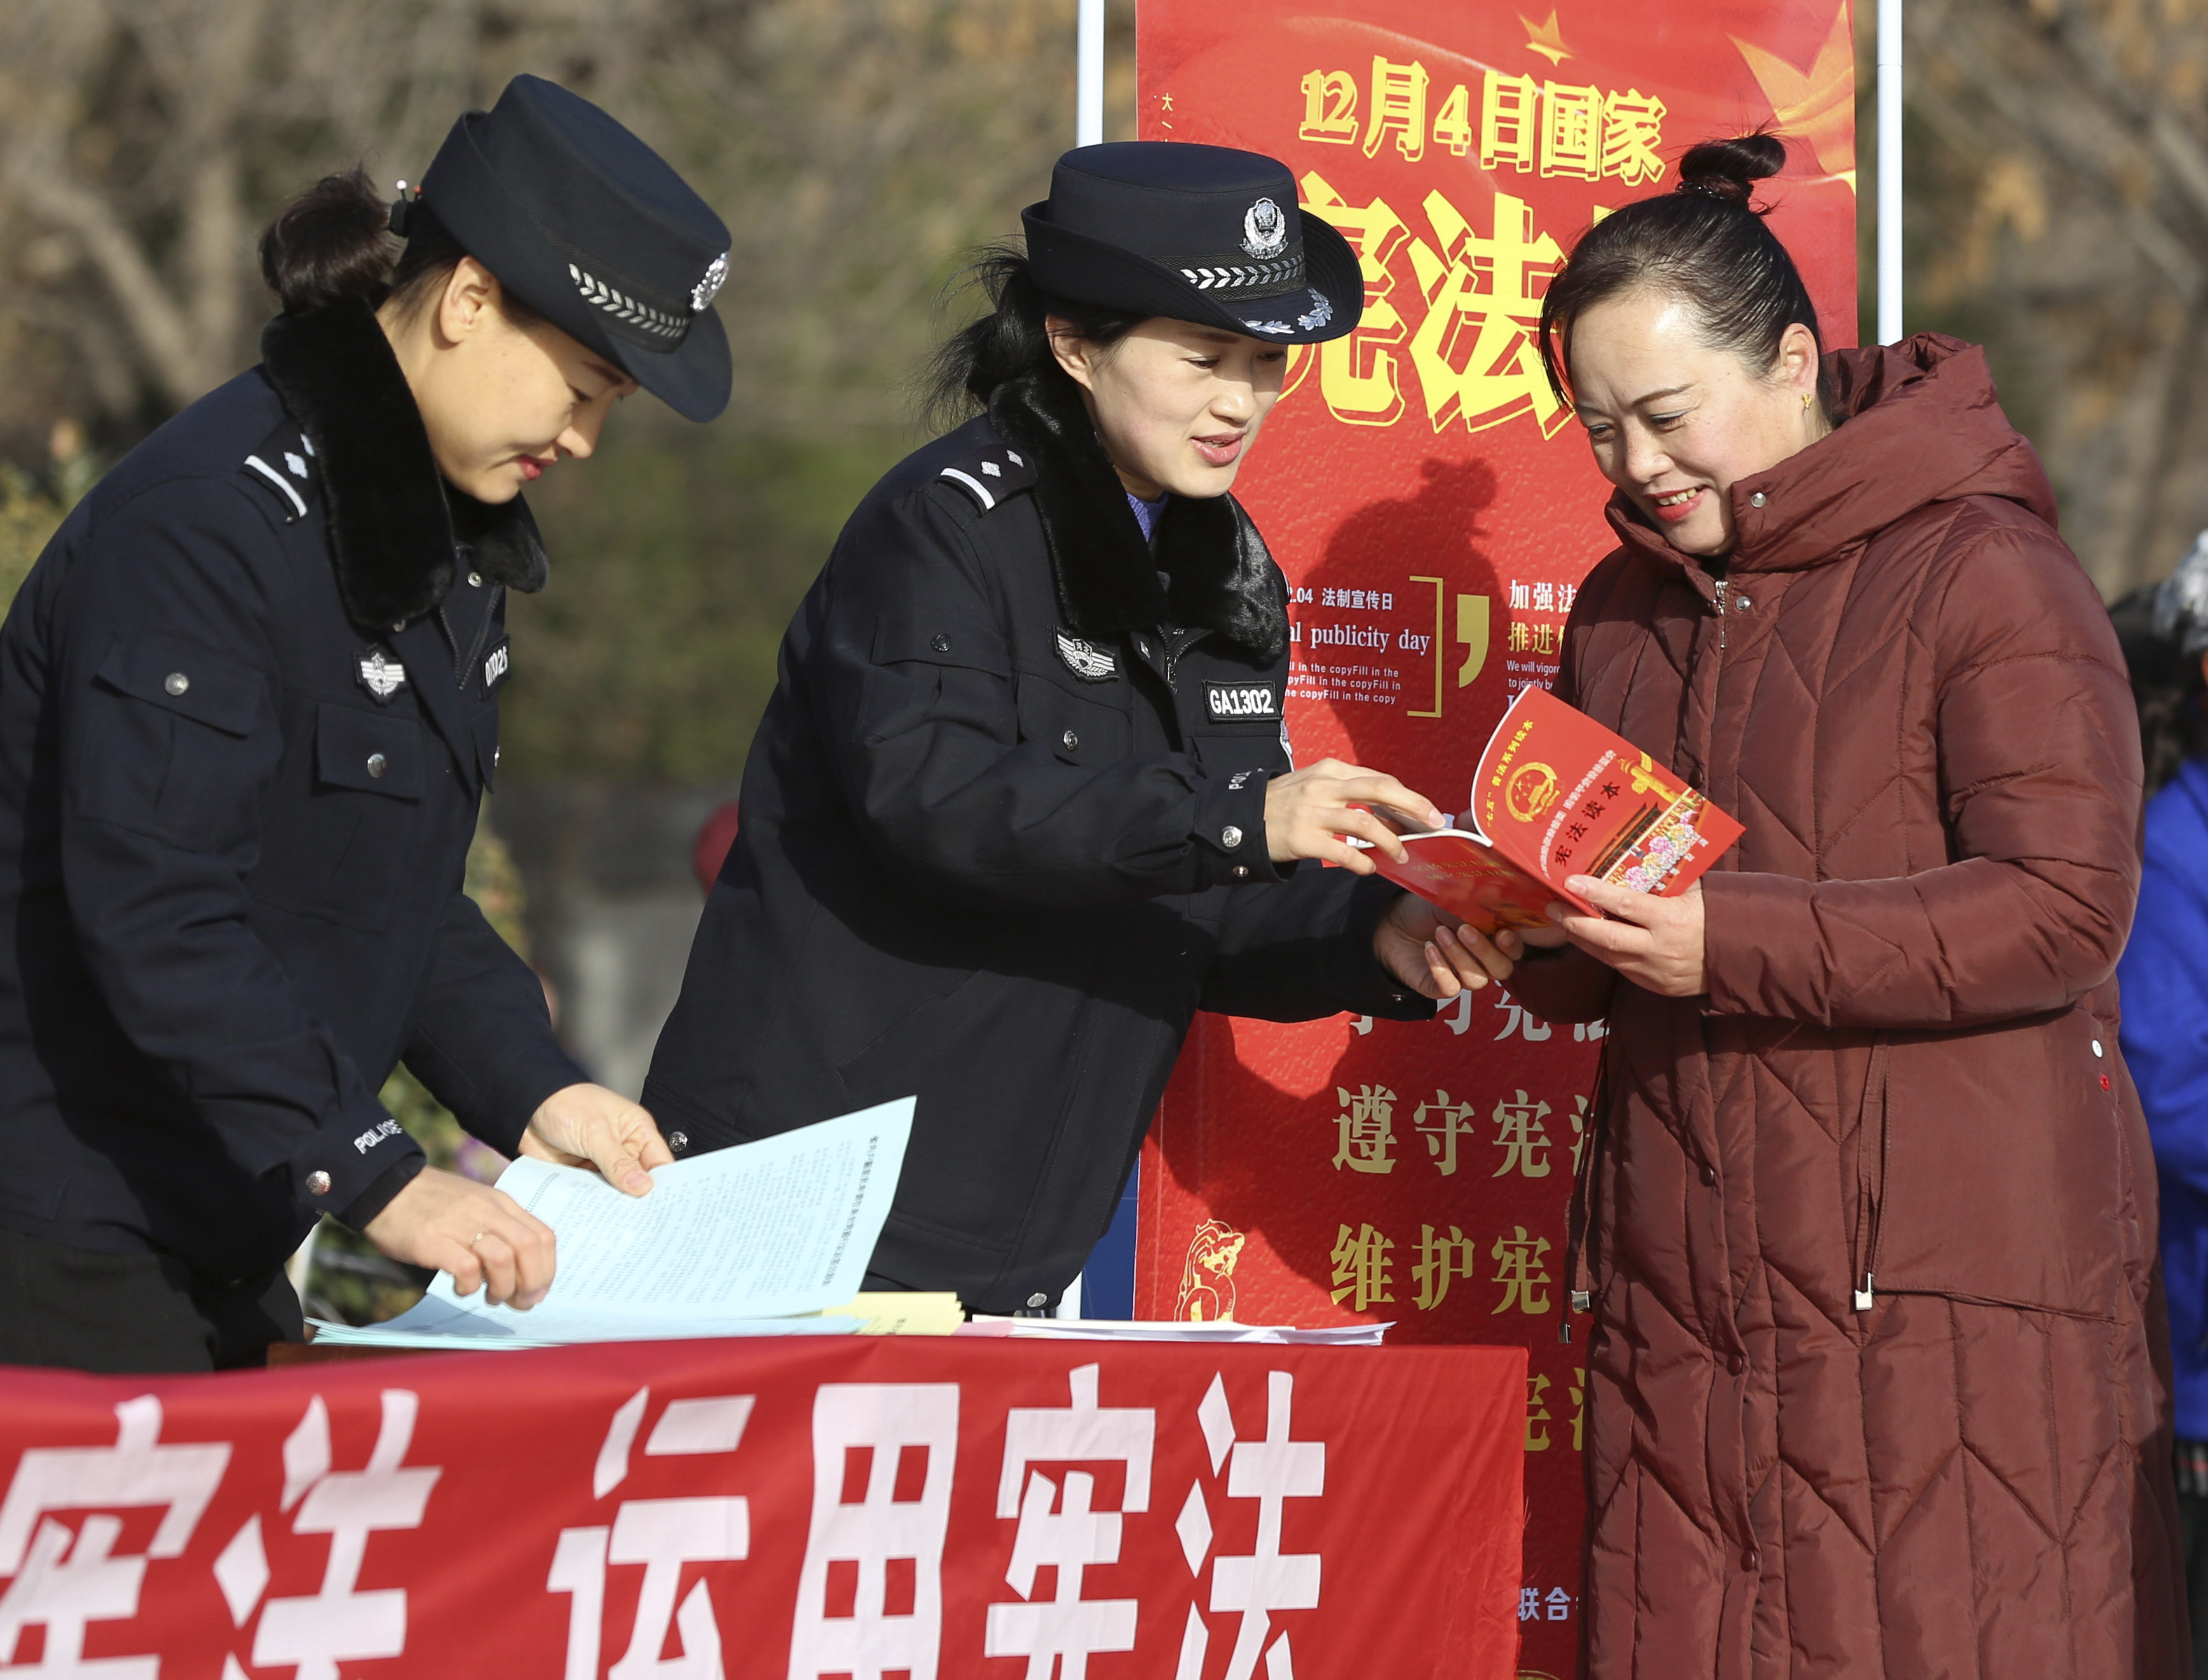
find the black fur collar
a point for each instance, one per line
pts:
(393, 522)
(1223, 576)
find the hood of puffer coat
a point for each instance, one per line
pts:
(1919, 424)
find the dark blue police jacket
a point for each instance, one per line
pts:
(1003, 834)
(249, 702)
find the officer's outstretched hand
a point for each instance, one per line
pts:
(1432, 953)
(481, 1236)
(1308, 811)
(588, 1125)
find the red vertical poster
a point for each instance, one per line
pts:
(1435, 507)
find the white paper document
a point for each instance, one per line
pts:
(732, 1242)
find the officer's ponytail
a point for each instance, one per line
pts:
(334, 241)
(1010, 340)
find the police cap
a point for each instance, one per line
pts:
(589, 227)
(1201, 233)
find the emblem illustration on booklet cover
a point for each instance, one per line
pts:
(1207, 1282)
(1556, 795)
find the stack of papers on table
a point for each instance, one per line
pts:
(1166, 1329)
(765, 1239)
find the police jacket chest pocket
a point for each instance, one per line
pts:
(926, 673)
(345, 821)
(1079, 729)
(178, 740)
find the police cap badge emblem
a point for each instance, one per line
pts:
(1264, 230)
(381, 676)
(1087, 661)
(706, 290)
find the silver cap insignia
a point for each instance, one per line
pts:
(1264, 230)
(706, 290)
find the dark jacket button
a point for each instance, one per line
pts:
(319, 1182)
(377, 763)
(175, 682)
(1071, 740)
(941, 643)
(1709, 1173)
(1736, 1365)
(678, 1140)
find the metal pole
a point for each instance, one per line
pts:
(1889, 172)
(1089, 77)
(1088, 130)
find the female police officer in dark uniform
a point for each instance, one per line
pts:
(1022, 802)
(248, 701)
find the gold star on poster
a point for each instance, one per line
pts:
(1545, 39)
(1818, 104)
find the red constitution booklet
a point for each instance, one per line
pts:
(1557, 795)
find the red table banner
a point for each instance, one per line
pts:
(799, 1506)
(1435, 509)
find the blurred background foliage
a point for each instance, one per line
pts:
(678, 556)
(2056, 158)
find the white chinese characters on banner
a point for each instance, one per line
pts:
(315, 1633)
(870, 1591)
(1058, 1634)
(870, 1595)
(661, 1534)
(62, 1581)
(1271, 1470)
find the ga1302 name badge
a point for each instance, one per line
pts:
(1236, 702)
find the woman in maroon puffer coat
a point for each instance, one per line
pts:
(1868, 1233)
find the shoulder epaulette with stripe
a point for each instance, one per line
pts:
(990, 475)
(283, 466)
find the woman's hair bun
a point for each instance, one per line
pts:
(334, 241)
(1729, 169)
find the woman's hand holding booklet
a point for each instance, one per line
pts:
(1558, 795)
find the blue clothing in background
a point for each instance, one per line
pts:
(2165, 975)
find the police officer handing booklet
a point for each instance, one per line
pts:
(1024, 799)
(248, 704)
